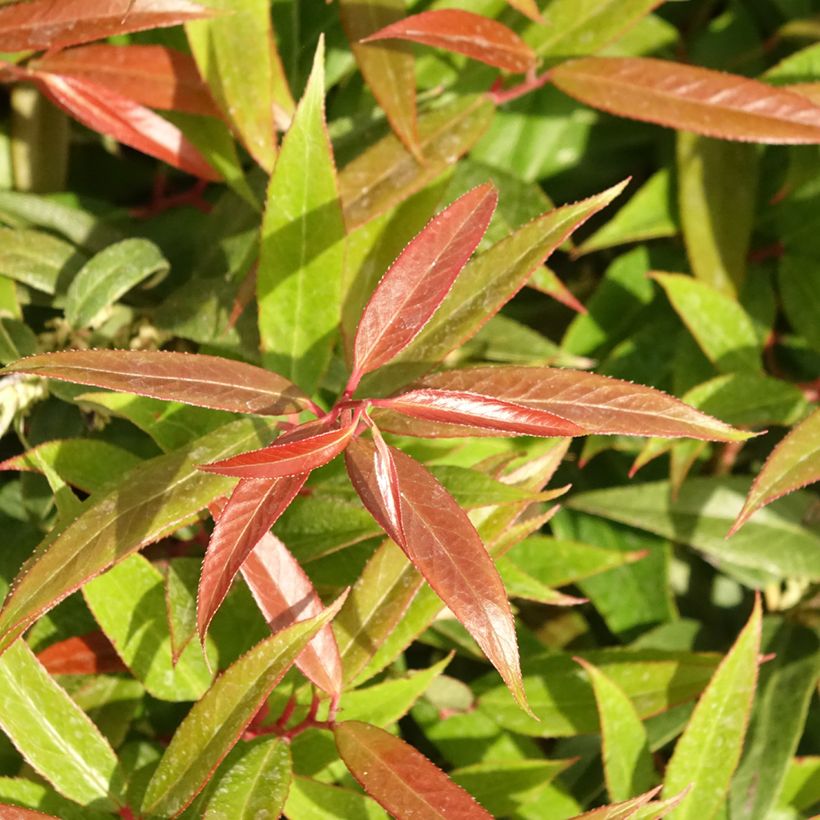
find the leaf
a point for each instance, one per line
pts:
(302, 253)
(153, 500)
(620, 811)
(53, 734)
(38, 259)
(798, 278)
(709, 748)
(794, 463)
(24, 792)
(90, 654)
(418, 281)
(40, 25)
(125, 120)
(181, 577)
(690, 98)
(283, 593)
(216, 721)
(528, 8)
(388, 70)
(445, 548)
(800, 789)
(401, 779)
(18, 813)
(596, 403)
(520, 584)
(311, 800)
(628, 766)
(193, 378)
(151, 75)
(234, 55)
(464, 32)
(775, 542)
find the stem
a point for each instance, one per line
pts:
(534, 81)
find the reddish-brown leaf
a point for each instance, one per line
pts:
(192, 378)
(598, 404)
(51, 24)
(9, 812)
(417, 282)
(90, 654)
(444, 546)
(284, 595)
(154, 76)
(126, 121)
(401, 778)
(691, 98)
(253, 508)
(472, 409)
(467, 33)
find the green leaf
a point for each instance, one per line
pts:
(253, 782)
(311, 800)
(16, 340)
(110, 274)
(302, 253)
(153, 500)
(520, 584)
(216, 721)
(472, 488)
(801, 788)
(776, 541)
(708, 751)
(37, 259)
(22, 792)
(799, 279)
(128, 602)
(181, 581)
(54, 735)
(112, 702)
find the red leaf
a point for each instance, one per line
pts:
(126, 121)
(192, 378)
(284, 594)
(154, 76)
(444, 546)
(253, 508)
(475, 410)
(417, 282)
(9, 812)
(90, 654)
(691, 99)
(401, 778)
(387, 479)
(42, 24)
(467, 33)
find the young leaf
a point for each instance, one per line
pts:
(479, 37)
(709, 749)
(215, 723)
(90, 654)
(420, 278)
(42, 24)
(794, 463)
(691, 98)
(400, 778)
(193, 378)
(125, 120)
(443, 545)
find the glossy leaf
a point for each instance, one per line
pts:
(38, 259)
(400, 778)
(125, 120)
(217, 720)
(420, 278)
(709, 748)
(443, 545)
(154, 76)
(90, 654)
(388, 69)
(301, 258)
(312, 800)
(479, 37)
(41, 25)
(54, 735)
(205, 381)
(794, 463)
(691, 98)
(181, 577)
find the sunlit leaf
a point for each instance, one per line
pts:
(528, 8)
(312, 800)
(38, 259)
(90, 654)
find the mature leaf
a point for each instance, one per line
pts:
(801, 789)
(419, 280)
(400, 778)
(44, 24)
(193, 378)
(125, 120)
(709, 749)
(312, 800)
(464, 32)
(217, 720)
(691, 98)
(444, 547)
(302, 253)
(90, 654)
(776, 541)
(388, 69)
(153, 500)
(180, 578)
(520, 584)
(794, 463)
(528, 8)
(38, 259)
(54, 735)
(154, 76)
(799, 282)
